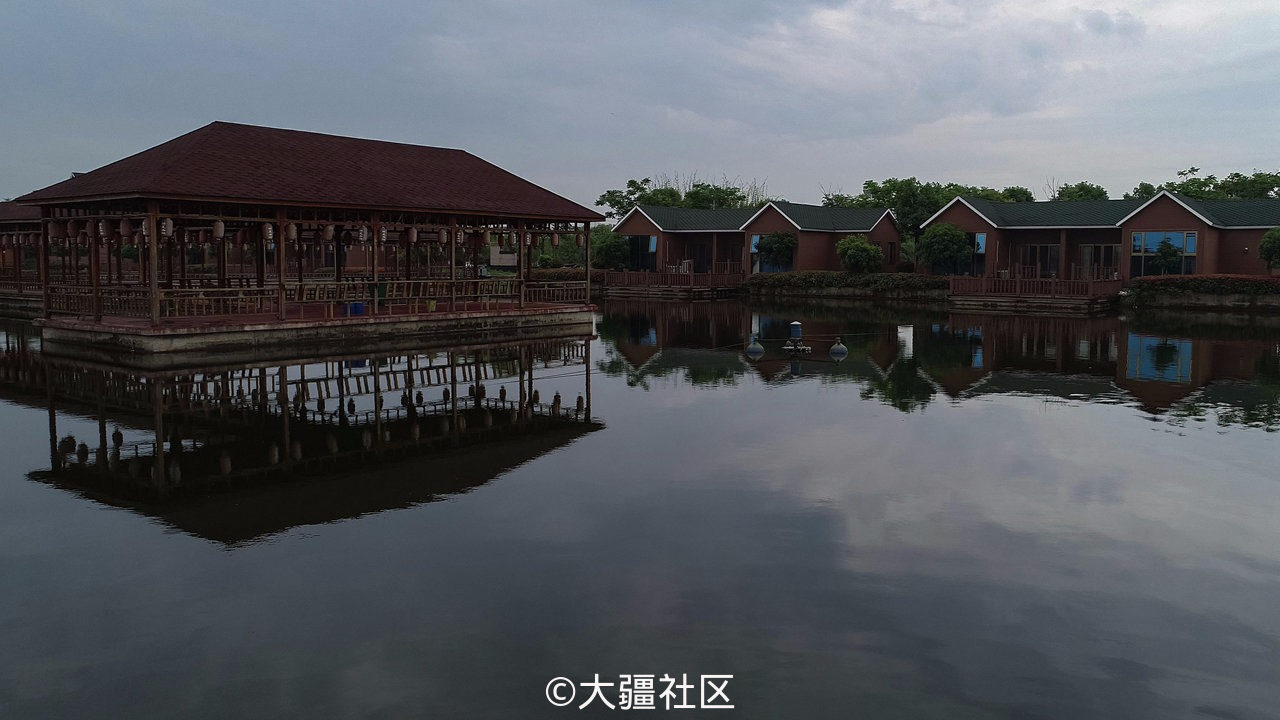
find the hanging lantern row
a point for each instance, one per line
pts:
(125, 228)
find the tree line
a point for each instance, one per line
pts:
(913, 201)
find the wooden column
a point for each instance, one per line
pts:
(586, 244)
(42, 265)
(1064, 272)
(453, 264)
(375, 244)
(260, 261)
(222, 260)
(95, 267)
(153, 262)
(280, 266)
(520, 253)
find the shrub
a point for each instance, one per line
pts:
(777, 248)
(943, 244)
(1168, 285)
(873, 282)
(608, 249)
(558, 274)
(858, 255)
(1270, 248)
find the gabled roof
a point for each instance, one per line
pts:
(13, 212)
(229, 161)
(820, 218)
(1222, 213)
(1114, 213)
(671, 219)
(1047, 214)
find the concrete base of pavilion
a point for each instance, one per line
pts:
(21, 307)
(136, 343)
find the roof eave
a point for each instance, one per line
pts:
(1171, 196)
(588, 216)
(966, 203)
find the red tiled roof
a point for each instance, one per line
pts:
(249, 163)
(13, 212)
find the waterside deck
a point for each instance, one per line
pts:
(1034, 296)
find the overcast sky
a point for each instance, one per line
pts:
(580, 96)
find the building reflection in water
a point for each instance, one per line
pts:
(208, 450)
(911, 359)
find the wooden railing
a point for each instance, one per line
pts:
(25, 287)
(556, 292)
(644, 278)
(396, 296)
(1039, 287)
(207, 302)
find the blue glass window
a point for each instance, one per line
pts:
(755, 243)
(1158, 359)
(980, 242)
(1137, 243)
(653, 243)
(1191, 244)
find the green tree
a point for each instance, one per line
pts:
(608, 249)
(638, 192)
(706, 196)
(1236, 186)
(945, 245)
(1017, 193)
(1082, 190)
(1143, 191)
(777, 248)
(1270, 248)
(913, 201)
(1167, 258)
(858, 255)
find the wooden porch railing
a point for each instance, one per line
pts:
(1036, 287)
(556, 292)
(644, 278)
(412, 296)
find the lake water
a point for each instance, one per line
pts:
(969, 517)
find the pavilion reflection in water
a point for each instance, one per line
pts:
(909, 360)
(215, 442)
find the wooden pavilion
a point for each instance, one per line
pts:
(237, 226)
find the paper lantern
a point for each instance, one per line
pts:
(328, 232)
(219, 229)
(411, 235)
(382, 235)
(578, 239)
(555, 240)
(73, 229)
(126, 227)
(268, 231)
(364, 234)
(291, 231)
(166, 227)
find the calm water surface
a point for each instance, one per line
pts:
(969, 517)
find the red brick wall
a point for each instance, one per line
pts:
(1238, 252)
(884, 233)
(1167, 214)
(960, 215)
(815, 250)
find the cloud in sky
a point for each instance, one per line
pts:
(580, 96)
